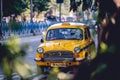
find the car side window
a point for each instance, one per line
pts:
(86, 35)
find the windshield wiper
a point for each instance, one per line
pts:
(72, 39)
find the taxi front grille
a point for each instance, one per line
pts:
(58, 55)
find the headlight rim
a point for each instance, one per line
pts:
(41, 49)
(77, 49)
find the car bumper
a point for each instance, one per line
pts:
(58, 63)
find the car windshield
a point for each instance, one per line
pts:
(65, 34)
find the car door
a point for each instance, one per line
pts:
(88, 40)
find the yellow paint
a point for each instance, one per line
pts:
(65, 45)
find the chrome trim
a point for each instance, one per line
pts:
(79, 59)
(37, 59)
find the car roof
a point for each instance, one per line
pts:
(67, 25)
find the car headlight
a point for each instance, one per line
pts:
(77, 50)
(40, 50)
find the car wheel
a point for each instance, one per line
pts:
(88, 57)
(41, 69)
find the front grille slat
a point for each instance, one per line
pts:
(58, 55)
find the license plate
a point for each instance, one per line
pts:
(58, 65)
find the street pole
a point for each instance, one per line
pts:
(1, 12)
(60, 12)
(60, 3)
(31, 17)
(31, 11)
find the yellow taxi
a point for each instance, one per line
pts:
(64, 44)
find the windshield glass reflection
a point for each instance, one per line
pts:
(65, 34)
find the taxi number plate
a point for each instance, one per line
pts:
(58, 65)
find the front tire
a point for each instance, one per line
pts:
(41, 69)
(87, 58)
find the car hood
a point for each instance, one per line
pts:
(61, 45)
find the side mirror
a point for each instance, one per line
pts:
(41, 40)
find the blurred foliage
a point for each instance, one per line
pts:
(73, 5)
(104, 47)
(40, 5)
(53, 73)
(11, 59)
(14, 7)
(86, 4)
(105, 65)
(64, 6)
(18, 6)
(93, 52)
(98, 70)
